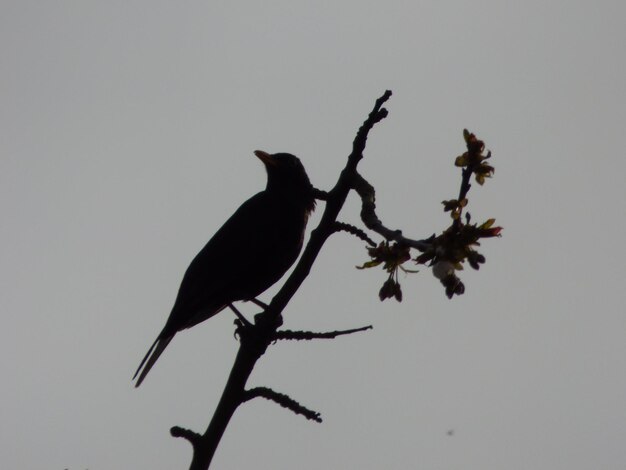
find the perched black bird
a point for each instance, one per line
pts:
(251, 251)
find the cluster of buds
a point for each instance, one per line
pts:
(473, 160)
(392, 256)
(447, 252)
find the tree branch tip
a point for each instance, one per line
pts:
(386, 95)
(282, 400)
(353, 230)
(189, 435)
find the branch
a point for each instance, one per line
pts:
(368, 215)
(258, 336)
(352, 230)
(334, 203)
(320, 194)
(309, 335)
(358, 145)
(283, 400)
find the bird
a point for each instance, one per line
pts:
(247, 255)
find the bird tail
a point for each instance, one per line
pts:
(151, 357)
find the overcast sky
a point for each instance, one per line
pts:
(126, 137)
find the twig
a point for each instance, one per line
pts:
(357, 232)
(283, 400)
(358, 145)
(309, 335)
(368, 215)
(192, 437)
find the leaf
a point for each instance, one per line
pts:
(369, 264)
(424, 258)
(487, 224)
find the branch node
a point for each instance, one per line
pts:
(283, 400)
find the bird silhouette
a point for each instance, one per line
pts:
(247, 255)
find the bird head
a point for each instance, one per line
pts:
(287, 178)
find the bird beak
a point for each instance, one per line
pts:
(265, 157)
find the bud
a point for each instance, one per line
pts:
(443, 269)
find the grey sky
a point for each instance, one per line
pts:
(126, 139)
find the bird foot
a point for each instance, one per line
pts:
(240, 318)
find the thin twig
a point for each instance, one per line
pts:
(309, 335)
(358, 145)
(283, 400)
(357, 232)
(192, 437)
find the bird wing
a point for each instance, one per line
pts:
(199, 295)
(248, 254)
(216, 275)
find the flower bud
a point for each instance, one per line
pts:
(443, 269)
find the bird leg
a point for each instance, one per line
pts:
(239, 315)
(256, 301)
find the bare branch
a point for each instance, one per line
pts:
(357, 232)
(283, 400)
(309, 335)
(368, 215)
(358, 145)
